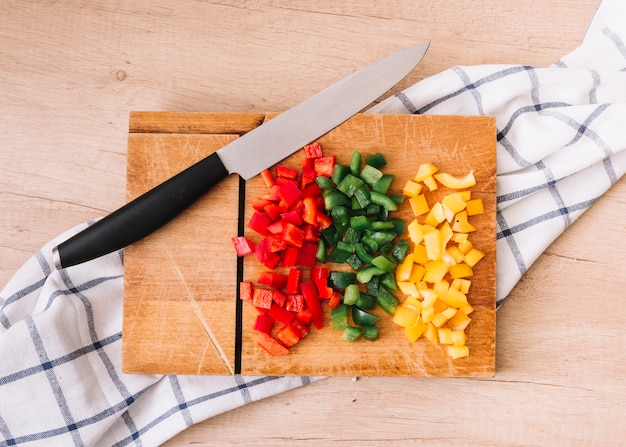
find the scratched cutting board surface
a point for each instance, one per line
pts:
(180, 308)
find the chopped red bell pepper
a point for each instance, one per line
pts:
(325, 166)
(311, 233)
(293, 235)
(279, 297)
(273, 279)
(313, 150)
(243, 246)
(280, 181)
(286, 172)
(304, 316)
(290, 255)
(259, 222)
(287, 336)
(270, 344)
(306, 254)
(280, 314)
(264, 254)
(307, 179)
(260, 204)
(335, 299)
(262, 298)
(313, 191)
(293, 281)
(276, 243)
(313, 303)
(263, 323)
(292, 217)
(289, 192)
(309, 214)
(245, 290)
(267, 177)
(300, 329)
(294, 303)
(276, 227)
(308, 164)
(272, 211)
(320, 273)
(323, 221)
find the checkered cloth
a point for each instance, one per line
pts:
(561, 144)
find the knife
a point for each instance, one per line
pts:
(278, 137)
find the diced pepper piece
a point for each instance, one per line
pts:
(473, 256)
(419, 205)
(259, 223)
(351, 333)
(355, 163)
(263, 323)
(293, 235)
(267, 177)
(271, 345)
(262, 298)
(264, 254)
(313, 303)
(386, 300)
(273, 279)
(245, 290)
(334, 300)
(293, 281)
(294, 303)
(406, 316)
(363, 318)
(461, 271)
(425, 170)
(452, 182)
(339, 317)
(306, 254)
(290, 193)
(474, 207)
(287, 336)
(313, 150)
(351, 294)
(457, 352)
(376, 160)
(370, 333)
(324, 166)
(243, 246)
(281, 314)
(286, 172)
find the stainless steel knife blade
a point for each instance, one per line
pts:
(277, 139)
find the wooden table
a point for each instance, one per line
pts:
(70, 74)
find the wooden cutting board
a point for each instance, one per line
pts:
(181, 314)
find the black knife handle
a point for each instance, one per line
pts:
(143, 215)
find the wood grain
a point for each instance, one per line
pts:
(72, 71)
(179, 311)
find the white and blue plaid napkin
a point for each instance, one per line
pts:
(561, 145)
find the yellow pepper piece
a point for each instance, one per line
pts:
(457, 352)
(473, 256)
(411, 189)
(461, 271)
(425, 170)
(403, 271)
(474, 207)
(459, 321)
(405, 316)
(431, 183)
(435, 271)
(419, 205)
(452, 182)
(414, 332)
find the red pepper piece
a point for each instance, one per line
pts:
(276, 242)
(284, 171)
(270, 344)
(335, 299)
(290, 255)
(287, 336)
(259, 222)
(245, 290)
(292, 217)
(293, 281)
(262, 298)
(313, 150)
(273, 279)
(279, 297)
(281, 314)
(323, 221)
(307, 179)
(308, 164)
(294, 303)
(260, 204)
(319, 276)
(312, 190)
(267, 177)
(300, 329)
(265, 255)
(324, 166)
(311, 233)
(290, 193)
(273, 195)
(263, 323)
(313, 303)
(293, 235)
(243, 246)
(273, 211)
(276, 227)
(304, 316)
(306, 254)
(309, 213)
(320, 273)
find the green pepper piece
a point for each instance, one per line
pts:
(373, 210)
(329, 236)
(383, 200)
(351, 294)
(339, 317)
(370, 333)
(370, 175)
(363, 318)
(359, 223)
(324, 183)
(382, 225)
(341, 217)
(341, 280)
(377, 160)
(338, 256)
(373, 285)
(365, 275)
(397, 199)
(384, 263)
(365, 301)
(349, 184)
(351, 333)
(398, 225)
(339, 172)
(382, 186)
(363, 255)
(320, 255)
(400, 250)
(362, 195)
(355, 163)
(351, 236)
(333, 198)
(386, 300)
(355, 262)
(382, 237)
(370, 243)
(344, 246)
(389, 280)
